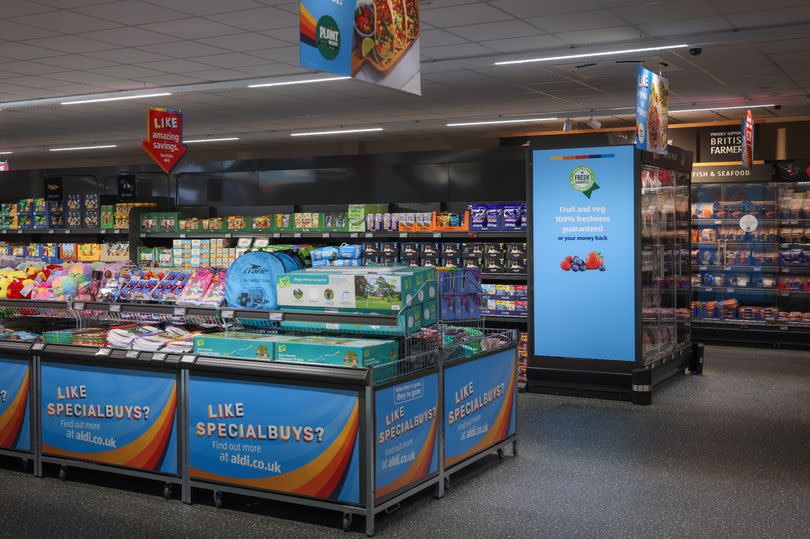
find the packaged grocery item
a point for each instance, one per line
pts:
(235, 344)
(335, 350)
(251, 281)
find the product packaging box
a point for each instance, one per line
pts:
(90, 202)
(283, 222)
(74, 219)
(149, 222)
(73, 202)
(213, 224)
(235, 344)
(262, 223)
(168, 222)
(335, 350)
(189, 224)
(107, 217)
(236, 223)
(91, 219)
(368, 289)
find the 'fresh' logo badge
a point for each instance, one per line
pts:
(583, 179)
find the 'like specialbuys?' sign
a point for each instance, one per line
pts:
(164, 142)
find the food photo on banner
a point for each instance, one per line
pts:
(479, 405)
(407, 443)
(281, 438)
(376, 41)
(652, 111)
(15, 409)
(119, 417)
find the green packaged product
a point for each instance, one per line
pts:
(235, 344)
(335, 350)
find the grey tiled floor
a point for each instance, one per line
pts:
(722, 455)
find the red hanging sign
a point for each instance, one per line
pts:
(164, 142)
(748, 140)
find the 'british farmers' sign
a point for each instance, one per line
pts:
(164, 142)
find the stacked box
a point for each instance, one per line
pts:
(123, 209)
(308, 222)
(91, 211)
(168, 222)
(235, 344)
(335, 222)
(107, 216)
(236, 223)
(335, 350)
(146, 256)
(189, 224)
(262, 223)
(8, 216)
(213, 224)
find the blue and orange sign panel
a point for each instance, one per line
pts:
(119, 417)
(287, 439)
(406, 440)
(479, 405)
(15, 409)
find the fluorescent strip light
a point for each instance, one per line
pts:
(340, 132)
(6, 153)
(724, 108)
(293, 82)
(589, 55)
(83, 148)
(122, 98)
(210, 140)
(495, 122)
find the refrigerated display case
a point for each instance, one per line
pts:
(609, 271)
(751, 262)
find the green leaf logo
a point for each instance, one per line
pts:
(327, 36)
(583, 179)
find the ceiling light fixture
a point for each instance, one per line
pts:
(6, 153)
(83, 148)
(121, 98)
(593, 123)
(338, 132)
(590, 55)
(496, 122)
(568, 125)
(724, 108)
(224, 139)
(293, 82)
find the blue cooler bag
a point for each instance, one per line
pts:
(251, 281)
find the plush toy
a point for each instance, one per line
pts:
(21, 289)
(5, 280)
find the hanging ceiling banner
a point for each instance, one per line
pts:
(652, 111)
(164, 142)
(748, 140)
(376, 41)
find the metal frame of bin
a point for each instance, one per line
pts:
(113, 359)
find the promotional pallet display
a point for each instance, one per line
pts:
(379, 434)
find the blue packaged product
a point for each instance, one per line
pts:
(324, 253)
(320, 263)
(478, 216)
(288, 261)
(347, 251)
(347, 263)
(511, 216)
(494, 219)
(251, 281)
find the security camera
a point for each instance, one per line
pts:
(695, 51)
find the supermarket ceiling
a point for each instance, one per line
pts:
(206, 52)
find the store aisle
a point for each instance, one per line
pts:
(726, 454)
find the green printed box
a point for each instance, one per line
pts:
(430, 313)
(365, 289)
(235, 344)
(335, 350)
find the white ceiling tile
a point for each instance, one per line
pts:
(284, 55)
(446, 17)
(530, 43)
(132, 12)
(176, 65)
(539, 8)
(127, 56)
(66, 43)
(17, 8)
(495, 30)
(687, 26)
(128, 72)
(233, 59)
(599, 36)
(192, 28)
(244, 42)
(573, 22)
(130, 36)
(64, 21)
(37, 82)
(769, 17)
(272, 70)
(85, 77)
(455, 51)
(28, 68)
(15, 31)
(265, 18)
(22, 51)
(77, 61)
(435, 37)
(174, 79)
(289, 34)
(219, 74)
(183, 49)
(206, 7)
(69, 4)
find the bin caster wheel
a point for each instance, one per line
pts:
(346, 523)
(447, 483)
(62, 473)
(167, 491)
(514, 448)
(501, 456)
(218, 499)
